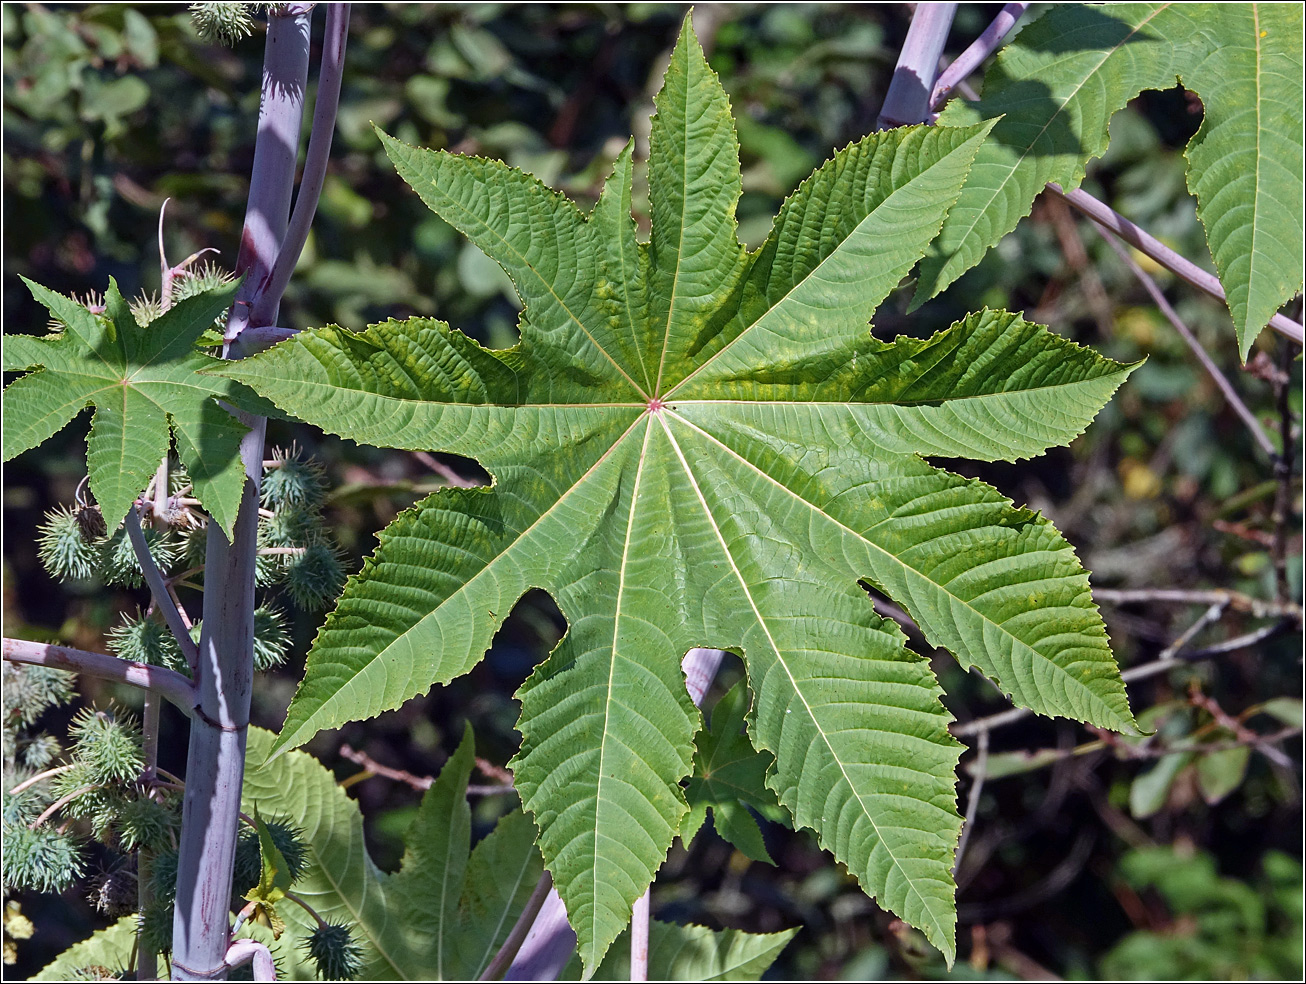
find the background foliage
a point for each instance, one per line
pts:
(1077, 865)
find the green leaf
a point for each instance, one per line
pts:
(691, 953)
(444, 914)
(729, 772)
(1245, 163)
(1056, 87)
(693, 445)
(111, 947)
(1220, 773)
(274, 878)
(1150, 790)
(144, 383)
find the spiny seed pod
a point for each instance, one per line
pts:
(40, 860)
(147, 640)
(30, 690)
(163, 880)
(315, 577)
(292, 481)
(332, 948)
(145, 823)
(108, 745)
(225, 23)
(120, 565)
(288, 839)
(40, 751)
(290, 526)
(156, 923)
(64, 551)
(146, 308)
(271, 642)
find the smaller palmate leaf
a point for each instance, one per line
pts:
(729, 776)
(1056, 87)
(444, 914)
(144, 383)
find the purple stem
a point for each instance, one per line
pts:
(1149, 245)
(994, 36)
(167, 683)
(215, 765)
(1230, 395)
(158, 590)
(276, 149)
(330, 74)
(908, 99)
(551, 941)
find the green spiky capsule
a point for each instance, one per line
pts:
(333, 949)
(64, 551)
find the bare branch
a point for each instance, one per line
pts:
(159, 590)
(443, 470)
(1149, 245)
(167, 683)
(994, 36)
(1231, 397)
(978, 774)
(1234, 599)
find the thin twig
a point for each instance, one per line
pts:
(978, 775)
(994, 36)
(159, 590)
(1149, 245)
(1234, 599)
(39, 777)
(1160, 665)
(1240, 731)
(62, 802)
(443, 470)
(1158, 298)
(1283, 474)
(517, 935)
(1239, 642)
(330, 74)
(163, 681)
(377, 769)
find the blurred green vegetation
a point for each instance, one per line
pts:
(1094, 856)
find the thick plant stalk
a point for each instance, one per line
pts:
(551, 940)
(215, 767)
(330, 73)
(165, 682)
(908, 98)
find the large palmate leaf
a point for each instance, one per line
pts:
(1058, 84)
(693, 445)
(444, 914)
(144, 383)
